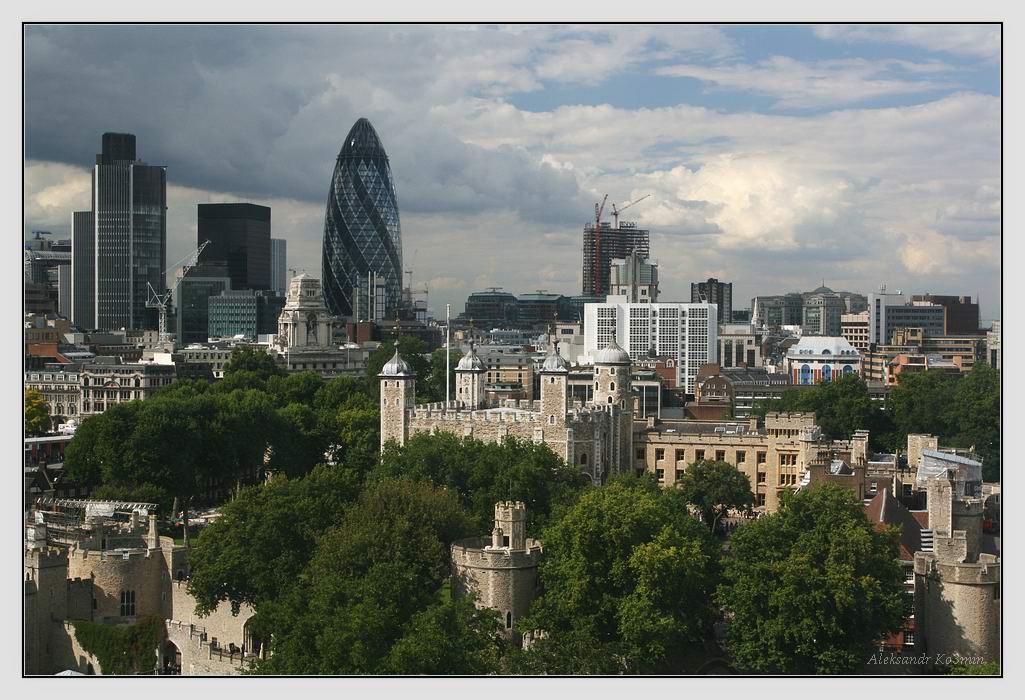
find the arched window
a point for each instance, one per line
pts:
(847, 369)
(508, 620)
(610, 399)
(551, 420)
(805, 376)
(612, 386)
(583, 460)
(827, 373)
(551, 380)
(596, 386)
(612, 370)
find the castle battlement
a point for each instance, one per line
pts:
(478, 553)
(48, 557)
(111, 555)
(984, 571)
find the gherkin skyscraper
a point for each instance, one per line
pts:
(362, 235)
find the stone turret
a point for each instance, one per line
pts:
(612, 394)
(152, 538)
(470, 380)
(554, 387)
(502, 569)
(398, 394)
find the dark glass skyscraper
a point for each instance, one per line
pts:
(361, 226)
(239, 234)
(129, 217)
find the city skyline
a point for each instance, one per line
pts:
(776, 156)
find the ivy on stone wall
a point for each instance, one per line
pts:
(121, 650)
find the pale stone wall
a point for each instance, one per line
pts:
(198, 657)
(113, 572)
(917, 443)
(957, 610)
(504, 579)
(396, 400)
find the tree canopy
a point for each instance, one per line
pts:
(628, 575)
(37, 416)
(811, 588)
(715, 488)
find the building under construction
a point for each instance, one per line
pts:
(602, 245)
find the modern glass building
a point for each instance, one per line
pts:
(239, 234)
(361, 226)
(129, 235)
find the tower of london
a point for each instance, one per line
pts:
(596, 436)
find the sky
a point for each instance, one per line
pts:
(777, 157)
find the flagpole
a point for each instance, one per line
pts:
(448, 350)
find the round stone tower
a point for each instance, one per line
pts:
(554, 387)
(501, 569)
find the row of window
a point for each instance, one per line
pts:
(720, 456)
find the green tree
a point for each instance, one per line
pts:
(811, 588)
(976, 421)
(37, 415)
(923, 402)
(483, 473)
(450, 638)
(715, 488)
(265, 537)
(370, 575)
(628, 575)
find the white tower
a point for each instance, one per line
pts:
(470, 380)
(398, 391)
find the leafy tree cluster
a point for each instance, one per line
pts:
(429, 369)
(344, 567)
(37, 417)
(811, 588)
(121, 650)
(483, 473)
(962, 410)
(199, 440)
(628, 577)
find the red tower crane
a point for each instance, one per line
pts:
(596, 271)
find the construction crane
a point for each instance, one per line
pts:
(616, 212)
(160, 301)
(596, 271)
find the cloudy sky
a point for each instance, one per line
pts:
(776, 157)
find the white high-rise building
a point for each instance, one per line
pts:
(279, 266)
(686, 333)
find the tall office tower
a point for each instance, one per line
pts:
(635, 278)
(130, 234)
(605, 244)
(239, 234)
(64, 291)
(685, 333)
(370, 298)
(279, 266)
(962, 316)
(778, 310)
(362, 233)
(713, 291)
(83, 270)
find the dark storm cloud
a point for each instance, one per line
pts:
(262, 111)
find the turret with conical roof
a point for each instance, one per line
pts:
(398, 394)
(554, 386)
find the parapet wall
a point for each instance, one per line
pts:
(472, 554)
(138, 571)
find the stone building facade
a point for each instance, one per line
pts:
(102, 569)
(596, 436)
(500, 570)
(957, 583)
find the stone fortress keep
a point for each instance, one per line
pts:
(596, 436)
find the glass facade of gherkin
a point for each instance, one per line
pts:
(362, 234)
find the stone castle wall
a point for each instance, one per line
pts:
(503, 579)
(957, 607)
(140, 571)
(199, 657)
